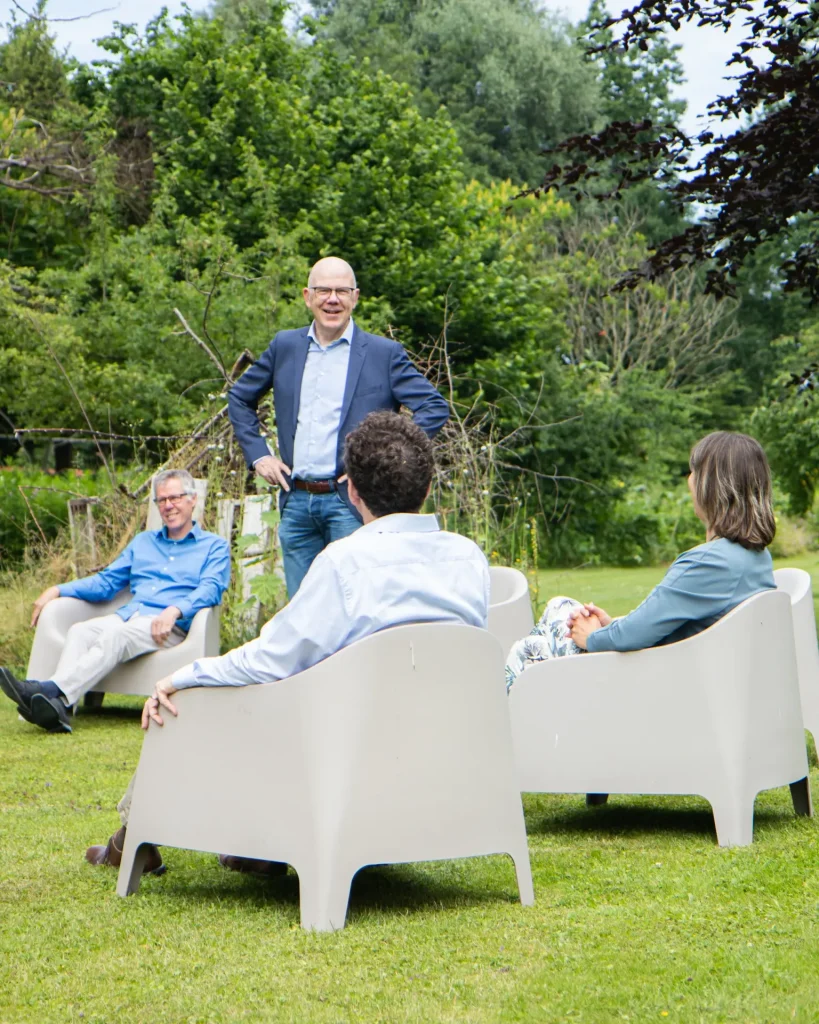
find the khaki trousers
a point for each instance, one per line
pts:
(95, 647)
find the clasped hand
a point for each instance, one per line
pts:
(584, 621)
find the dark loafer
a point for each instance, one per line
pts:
(272, 868)
(111, 855)
(49, 713)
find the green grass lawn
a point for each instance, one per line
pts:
(638, 915)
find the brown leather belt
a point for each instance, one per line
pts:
(315, 486)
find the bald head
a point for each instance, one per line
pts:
(331, 271)
(331, 296)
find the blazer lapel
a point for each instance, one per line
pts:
(299, 359)
(358, 349)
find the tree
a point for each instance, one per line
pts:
(635, 84)
(754, 181)
(510, 77)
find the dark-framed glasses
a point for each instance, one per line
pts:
(171, 499)
(325, 293)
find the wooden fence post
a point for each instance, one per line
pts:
(83, 539)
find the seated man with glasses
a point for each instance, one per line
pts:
(172, 574)
(325, 379)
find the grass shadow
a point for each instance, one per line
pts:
(110, 712)
(406, 889)
(633, 821)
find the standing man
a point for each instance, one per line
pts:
(325, 378)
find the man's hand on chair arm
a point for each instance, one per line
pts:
(163, 624)
(41, 602)
(163, 691)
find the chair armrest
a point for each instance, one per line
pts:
(204, 632)
(55, 620)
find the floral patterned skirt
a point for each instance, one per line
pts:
(549, 639)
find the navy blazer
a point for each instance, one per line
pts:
(379, 376)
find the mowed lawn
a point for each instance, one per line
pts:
(639, 916)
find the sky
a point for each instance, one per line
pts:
(704, 54)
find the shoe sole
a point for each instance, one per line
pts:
(9, 686)
(46, 715)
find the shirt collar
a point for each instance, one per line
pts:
(403, 522)
(195, 533)
(347, 336)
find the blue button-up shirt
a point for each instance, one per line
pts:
(322, 393)
(397, 569)
(189, 574)
(701, 586)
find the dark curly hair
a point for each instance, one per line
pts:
(389, 459)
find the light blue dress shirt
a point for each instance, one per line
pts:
(322, 393)
(190, 574)
(701, 586)
(397, 569)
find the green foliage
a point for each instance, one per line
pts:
(34, 507)
(226, 154)
(31, 69)
(508, 74)
(635, 84)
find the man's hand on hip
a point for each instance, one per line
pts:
(161, 696)
(163, 624)
(273, 470)
(41, 602)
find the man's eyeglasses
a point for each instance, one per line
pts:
(171, 499)
(325, 293)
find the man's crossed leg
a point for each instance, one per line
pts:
(92, 649)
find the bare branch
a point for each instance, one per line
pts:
(211, 355)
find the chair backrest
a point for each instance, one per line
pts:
(661, 720)
(154, 520)
(796, 583)
(510, 607)
(412, 721)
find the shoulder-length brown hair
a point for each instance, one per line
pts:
(732, 486)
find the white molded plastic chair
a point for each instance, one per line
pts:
(717, 715)
(796, 583)
(138, 676)
(510, 607)
(141, 674)
(395, 749)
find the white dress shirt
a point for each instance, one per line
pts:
(397, 569)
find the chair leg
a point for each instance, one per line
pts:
(93, 699)
(523, 871)
(800, 794)
(596, 799)
(734, 821)
(134, 855)
(323, 899)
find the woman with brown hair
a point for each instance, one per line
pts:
(730, 485)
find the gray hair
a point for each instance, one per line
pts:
(182, 475)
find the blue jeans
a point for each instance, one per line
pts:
(309, 523)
